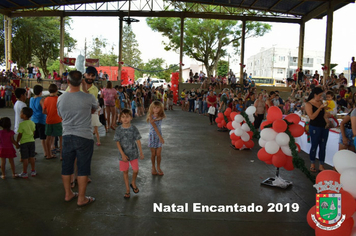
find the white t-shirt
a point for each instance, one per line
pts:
(17, 108)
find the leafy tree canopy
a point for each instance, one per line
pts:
(205, 40)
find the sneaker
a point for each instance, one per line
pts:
(23, 175)
(33, 173)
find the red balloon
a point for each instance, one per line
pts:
(234, 137)
(239, 144)
(296, 130)
(274, 113)
(293, 118)
(229, 126)
(249, 144)
(269, 162)
(250, 133)
(233, 142)
(217, 120)
(344, 229)
(279, 159)
(220, 125)
(309, 219)
(298, 146)
(227, 112)
(263, 155)
(223, 123)
(327, 175)
(233, 114)
(348, 204)
(289, 164)
(264, 123)
(221, 116)
(279, 126)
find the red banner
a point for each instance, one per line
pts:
(69, 61)
(92, 62)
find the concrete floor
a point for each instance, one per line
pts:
(199, 167)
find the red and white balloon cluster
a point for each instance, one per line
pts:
(275, 141)
(345, 163)
(240, 132)
(175, 84)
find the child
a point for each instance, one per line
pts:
(95, 122)
(165, 99)
(133, 106)
(6, 146)
(240, 106)
(53, 121)
(20, 94)
(38, 117)
(154, 117)
(170, 100)
(330, 109)
(128, 142)
(27, 142)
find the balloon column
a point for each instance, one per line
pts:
(240, 132)
(275, 141)
(327, 183)
(124, 78)
(174, 88)
(223, 118)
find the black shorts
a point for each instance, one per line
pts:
(40, 131)
(27, 150)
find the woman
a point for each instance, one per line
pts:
(211, 100)
(260, 111)
(109, 95)
(318, 133)
(269, 100)
(345, 137)
(192, 97)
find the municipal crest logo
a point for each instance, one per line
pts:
(328, 215)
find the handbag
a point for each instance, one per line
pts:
(211, 110)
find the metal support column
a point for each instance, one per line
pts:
(120, 49)
(181, 49)
(301, 44)
(61, 46)
(329, 35)
(8, 36)
(242, 56)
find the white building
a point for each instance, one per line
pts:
(281, 63)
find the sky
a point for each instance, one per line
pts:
(282, 35)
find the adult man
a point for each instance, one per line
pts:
(300, 76)
(75, 108)
(353, 71)
(90, 75)
(65, 76)
(30, 71)
(101, 75)
(225, 96)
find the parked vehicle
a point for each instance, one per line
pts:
(159, 82)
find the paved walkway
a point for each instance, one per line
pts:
(199, 167)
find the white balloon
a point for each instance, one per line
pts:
(348, 181)
(245, 137)
(262, 142)
(343, 160)
(250, 110)
(282, 139)
(238, 132)
(239, 118)
(231, 132)
(251, 118)
(236, 124)
(268, 134)
(271, 147)
(286, 150)
(245, 127)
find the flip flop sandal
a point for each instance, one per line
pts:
(75, 196)
(154, 173)
(90, 200)
(127, 195)
(135, 190)
(312, 169)
(160, 173)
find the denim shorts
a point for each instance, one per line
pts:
(80, 148)
(349, 135)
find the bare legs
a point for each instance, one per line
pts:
(96, 132)
(12, 164)
(156, 152)
(110, 116)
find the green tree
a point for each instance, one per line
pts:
(109, 59)
(223, 68)
(205, 40)
(154, 67)
(38, 38)
(96, 48)
(2, 40)
(131, 55)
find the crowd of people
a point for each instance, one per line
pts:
(72, 117)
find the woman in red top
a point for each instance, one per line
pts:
(211, 101)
